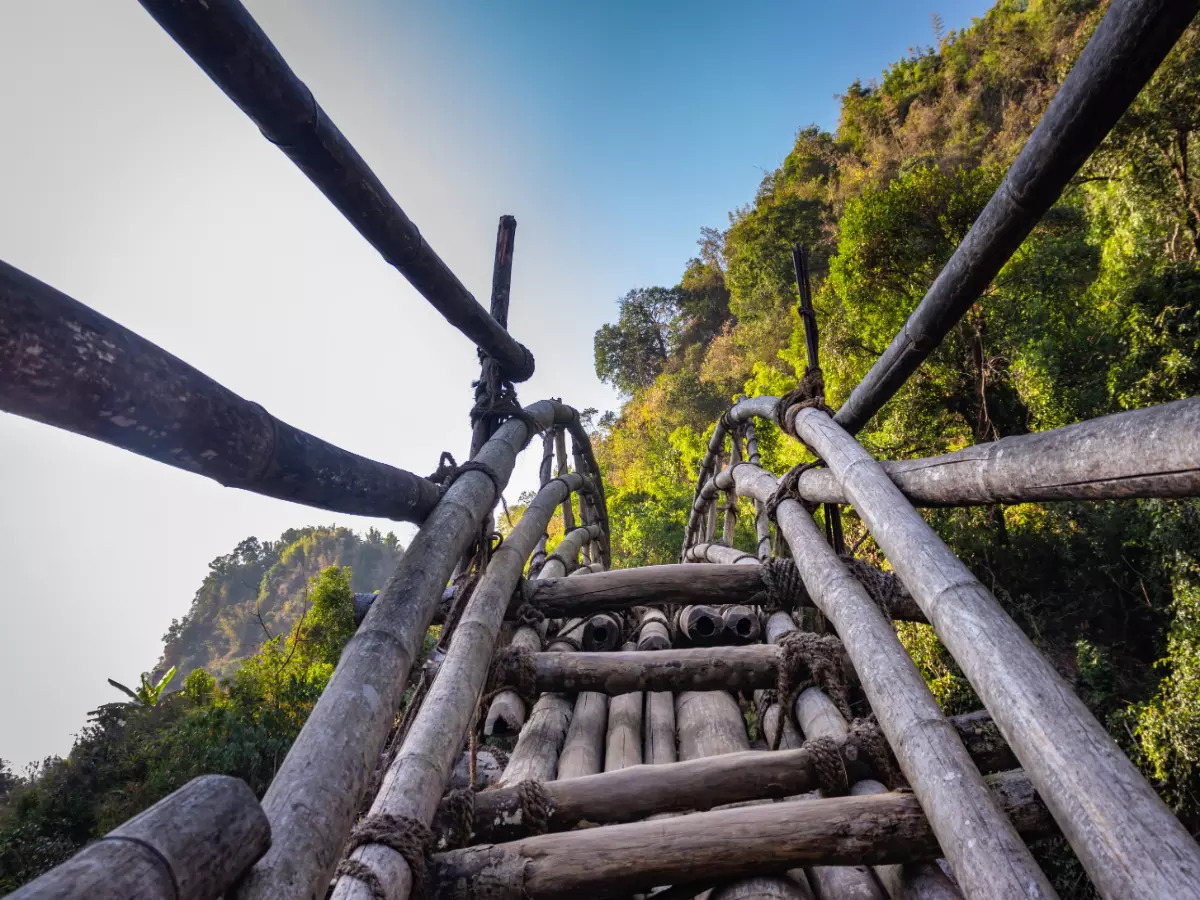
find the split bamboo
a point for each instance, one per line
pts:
(66, 365)
(1132, 39)
(616, 860)
(974, 833)
(226, 42)
(1127, 839)
(314, 798)
(191, 845)
(417, 777)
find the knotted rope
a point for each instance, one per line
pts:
(513, 668)
(810, 660)
(832, 779)
(536, 806)
(788, 488)
(809, 393)
(529, 616)
(784, 588)
(496, 399)
(884, 588)
(867, 736)
(408, 837)
(459, 807)
(448, 471)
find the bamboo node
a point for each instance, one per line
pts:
(832, 779)
(408, 837)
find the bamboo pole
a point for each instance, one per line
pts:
(1150, 452)
(544, 471)
(66, 365)
(583, 748)
(656, 789)
(601, 633)
(560, 451)
(699, 625)
(225, 41)
(659, 734)
(762, 525)
(585, 462)
(616, 860)
(417, 777)
(314, 797)
(490, 373)
(978, 840)
(623, 747)
(1127, 839)
(697, 669)
(191, 845)
(742, 625)
(654, 633)
(719, 554)
(1132, 39)
(535, 757)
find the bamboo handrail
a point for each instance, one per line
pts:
(224, 40)
(1132, 39)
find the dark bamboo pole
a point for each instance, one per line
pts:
(66, 365)
(226, 42)
(1131, 40)
(490, 372)
(1129, 842)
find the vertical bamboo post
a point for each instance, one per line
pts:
(560, 450)
(762, 525)
(623, 747)
(1129, 842)
(506, 235)
(583, 749)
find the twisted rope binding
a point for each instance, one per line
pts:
(832, 779)
(529, 616)
(408, 837)
(785, 588)
(867, 737)
(460, 818)
(536, 806)
(513, 668)
(448, 472)
(809, 393)
(789, 489)
(810, 660)
(884, 588)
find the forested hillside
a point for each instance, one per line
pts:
(260, 590)
(1099, 311)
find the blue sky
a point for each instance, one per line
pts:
(612, 131)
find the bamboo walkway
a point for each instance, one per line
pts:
(742, 724)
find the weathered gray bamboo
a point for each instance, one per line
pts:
(974, 833)
(909, 881)
(623, 747)
(565, 556)
(654, 632)
(616, 860)
(581, 455)
(729, 501)
(1126, 48)
(648, 790)
(545, 468)
(417, 777)
(623, 589)
(589, 569)
(697, 669)
(314, 797)
(560, 452)
(191, 845)
(583, 749)
(699, 625)
(718, 553)
(762, 525)
(226, 42)
(491, 371)
(1150, 452)
(793, 886)
(1127, 839)
(659, 729)
(742, 624)
(66, 365)
(602, 632)
(535, 757)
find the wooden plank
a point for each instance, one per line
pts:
(977, 838)
(66, 365)
(1129, 842)
(226, 42)
(191, 845)
(1132, 39)
(617, 860)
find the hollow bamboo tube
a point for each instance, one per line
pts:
(616, 860)
(742, 625)
(1125, 836)
(191, 845)
(654, 633)
(623, 747)
(602, 633)
(700, 625)
(583, 749)
(316, 794)
(225, 41)
(979, 841)
(417, 777)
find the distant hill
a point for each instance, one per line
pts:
(259, 590)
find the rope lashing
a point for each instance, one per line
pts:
(448, 471)
(460, 818)
(784, 588)
(496, 400)
(809, 393)
(810, 660)
(513, 668)
(867, 737)
(832, 779)
(789, 489)
(884, 588)
(529, 616)
(408, 837)
(536, 806)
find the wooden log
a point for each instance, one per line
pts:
(490, 371)
(697, 669)
(226, 42)
(672, 585)
(659, 732)
(1126, 48)
(191, 845)
(1127, 839)
(719, 554)
(560, 452)
(602, 633)
(790, 887)
(909, 881)
(417, 777)
(977, 838)
(566, 555)
(654, 632)
(583, 749)
(623, 747)
(742, 625)
(535, 757)
(616, 860)
(699, 625)
(315, 796)
(1141, 453)
(762, 524)
(66, 365)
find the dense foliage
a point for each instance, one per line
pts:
(1099, 311)
(136, 751)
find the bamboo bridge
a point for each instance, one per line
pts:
(628, 691)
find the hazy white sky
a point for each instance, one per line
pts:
(128, 181)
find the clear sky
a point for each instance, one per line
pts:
(613, 131)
